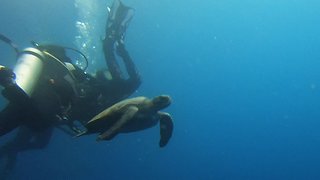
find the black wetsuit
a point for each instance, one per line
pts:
(35, 118)
(36, 113)
(104, 92)
(119, 87)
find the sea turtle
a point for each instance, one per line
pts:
(132, 115)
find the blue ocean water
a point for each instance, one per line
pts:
(243, 75)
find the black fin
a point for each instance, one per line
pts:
(118, 20)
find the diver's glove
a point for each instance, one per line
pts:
(7, 76)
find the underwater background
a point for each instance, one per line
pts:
(244, 77)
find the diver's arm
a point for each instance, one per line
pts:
(12, 91)
(14, 94)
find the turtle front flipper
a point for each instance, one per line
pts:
(114, 130)
(166, 128)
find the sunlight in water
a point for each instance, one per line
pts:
(90, 25)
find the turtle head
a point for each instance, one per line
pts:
(161, 102)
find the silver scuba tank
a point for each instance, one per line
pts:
(29, 69)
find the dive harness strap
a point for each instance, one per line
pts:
(8, 41)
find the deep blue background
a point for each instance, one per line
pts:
(243, 75)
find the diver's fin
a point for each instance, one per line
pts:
(119, 17)
(166, 128)
(118, 11)
(114, 130)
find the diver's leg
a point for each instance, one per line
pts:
(25, 139)
(9, 118)
(28, 139)
(114, 68)
(128, 62)
(109, 41)
(117, 23)
(10, 150)
(19, 142)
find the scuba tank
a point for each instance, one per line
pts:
(37, 62)
(29, 69)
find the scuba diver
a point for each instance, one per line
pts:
(46, 90)
(110, 86)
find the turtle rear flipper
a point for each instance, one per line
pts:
(166, 128)
(114, 130)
